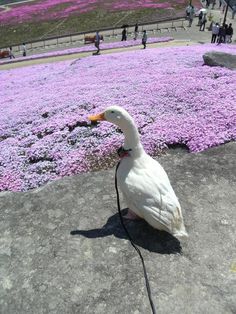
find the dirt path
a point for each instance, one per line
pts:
(86, 54)
(5, 8)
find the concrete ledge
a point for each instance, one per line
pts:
(45, 269)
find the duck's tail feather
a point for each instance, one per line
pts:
(181, 234)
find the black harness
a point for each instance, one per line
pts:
(123, 152)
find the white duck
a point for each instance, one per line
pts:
(142, 180)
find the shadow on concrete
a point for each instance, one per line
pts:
(142, 234)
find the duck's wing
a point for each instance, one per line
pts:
(150, 183)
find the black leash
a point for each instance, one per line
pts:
(136, 248)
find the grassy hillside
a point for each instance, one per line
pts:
(23, 22)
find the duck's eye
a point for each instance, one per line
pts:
(112, 111)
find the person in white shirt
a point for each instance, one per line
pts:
(215, 32)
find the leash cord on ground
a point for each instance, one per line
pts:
(136, 248)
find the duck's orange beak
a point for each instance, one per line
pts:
(97, 117)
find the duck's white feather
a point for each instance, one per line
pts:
(148, 192)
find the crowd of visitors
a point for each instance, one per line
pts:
(124, 35)
(222, 34)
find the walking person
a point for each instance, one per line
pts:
(188, 10)
(191, 15)
(215, 32)
(200, 16)
(136, 31)
(229, 34)
(24, 49)
(224, 32)
(233, 11)
(203, 23)
(144, 39)
(124, 35)
(11, 55)
(223, 8)
(97, 42)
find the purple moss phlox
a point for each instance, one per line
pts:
(174, 99)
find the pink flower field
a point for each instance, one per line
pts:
(44, 131)
(57, 9)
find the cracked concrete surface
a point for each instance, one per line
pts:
(63, 250)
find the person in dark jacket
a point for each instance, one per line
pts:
(222, 34)
(229, 34)
(213, 4)
(144, 39)
(97, 42)
(24, 50)
(136, 31)
(215, 32)
(11, 55)
(124, 35)
(200, 18)
(203, 23)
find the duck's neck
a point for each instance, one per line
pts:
(132, 139)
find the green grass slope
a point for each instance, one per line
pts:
(14, 32)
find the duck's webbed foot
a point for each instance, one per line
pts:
(131, 215)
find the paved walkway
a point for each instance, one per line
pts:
(85, 54)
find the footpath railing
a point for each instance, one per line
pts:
(71, 39)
